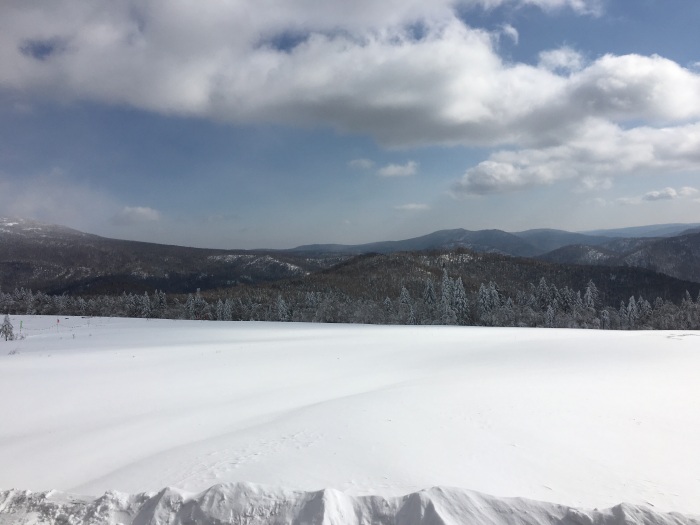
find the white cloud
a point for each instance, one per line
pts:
(412, 207)
(562, 59)
(512, 33)
(665, 194)
(670, 194)
(599, 151)
(357, 68)
(660, 195)
(363, 164)
(588, 7)
(399, 170)
(131, 215)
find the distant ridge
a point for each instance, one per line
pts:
(653, 230)
(55, 259)
(496, 241)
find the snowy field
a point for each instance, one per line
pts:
(581, 418)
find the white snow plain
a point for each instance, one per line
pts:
(581, 418)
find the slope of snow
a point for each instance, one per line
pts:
(582, 418)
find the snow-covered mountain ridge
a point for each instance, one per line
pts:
(252, 504)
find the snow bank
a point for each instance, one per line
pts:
(249, 504)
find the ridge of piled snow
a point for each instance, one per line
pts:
(253, 504)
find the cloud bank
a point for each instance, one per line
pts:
(362, 68)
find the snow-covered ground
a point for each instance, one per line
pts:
(581, 418)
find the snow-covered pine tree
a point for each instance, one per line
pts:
(429, 295)
(543, 295)
(145, 309)
(219, 310)
(189, 307)
(461, 303)
(447, 313)
(7, 330)
(228, 310)
(429, 302)
(483, 304)
(282, 309)
(632, 312)
(549, 317)
(590, 297)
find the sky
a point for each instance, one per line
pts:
(276, 123)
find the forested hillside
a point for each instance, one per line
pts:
(457, 288)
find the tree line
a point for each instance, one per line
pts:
(425, 301)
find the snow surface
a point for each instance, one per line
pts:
(581, 418)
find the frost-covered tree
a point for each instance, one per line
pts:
(549, 317)
(282, 309)
(189, 307)
(145, 310)
(406, 312)
(632, 313)
(487, 302)
(590, 297)
(228, 310)
(429, 310)
(7, 330)
(201, 306)
(543, 294)
(159, 304)
(447, 313)
(219, 310)
(461, 303)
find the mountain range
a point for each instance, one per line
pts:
(56, 259)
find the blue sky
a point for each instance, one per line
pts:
(250, 123)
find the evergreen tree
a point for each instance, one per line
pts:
(282, 309)
(406, 312)
(590, 297)
(201, 306)
(189, 307)
(429, 296)
(219, 310)
(483, 302)
(461, 303)
(624, 317)
(160, 303)
(146, 310)
(543, 295)
(228, 310)
(632, 312)
(447, 313)
(430, 302)
(549, 317)
(7, 330)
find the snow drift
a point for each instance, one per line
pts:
(249, 504)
